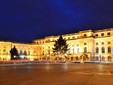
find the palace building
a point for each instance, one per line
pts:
(97, 45)
(87, 45)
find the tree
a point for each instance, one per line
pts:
(60, 47)
(14, 53)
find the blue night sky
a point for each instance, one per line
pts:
(25, 20)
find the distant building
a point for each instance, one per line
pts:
(87, 45)
(29, 49)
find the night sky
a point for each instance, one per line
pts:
(25, 20)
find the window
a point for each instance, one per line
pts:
(108, 34)
(96, 43)
(49, 40)
(73, 37)
(103, 50)
(77, 44)
(37, 42)
(4, 50)
(84, 43)
(85, 50)
(43, 53)
(96, 35)
(84, 35)
(49, 51)
(21, 52)
(109, 42)
(69, 38)
(109, 49)
(97, 50)
(102, 34)
(25, 53)
(102, 43)
(28, 52)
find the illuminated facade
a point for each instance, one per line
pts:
(96, 45)
(30, 49)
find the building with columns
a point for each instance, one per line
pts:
(87, 45)
(30, 49)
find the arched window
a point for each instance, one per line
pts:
(109, 49)
(103, 50)
(25, 53)
(21, 52)
(97, 50)
(28, 52)
(85, 50)
(96, 43)
(85, 43)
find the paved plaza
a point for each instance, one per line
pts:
(56, 74)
